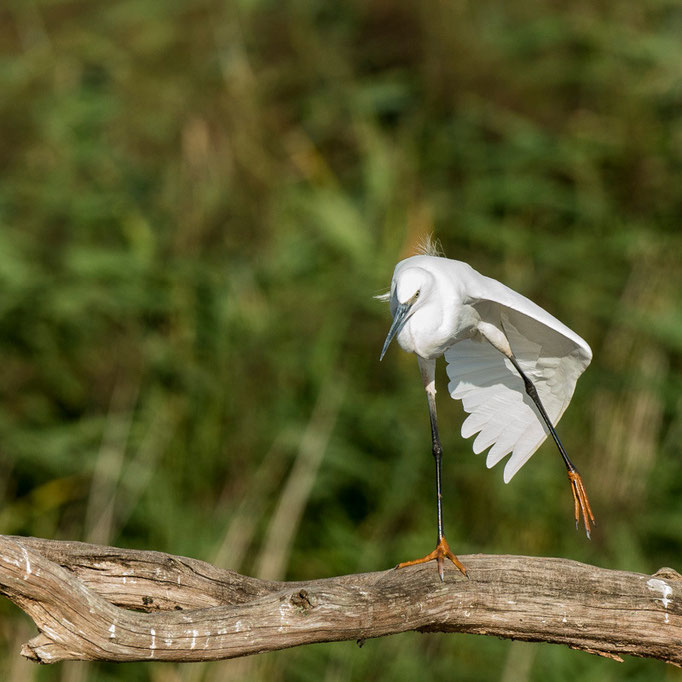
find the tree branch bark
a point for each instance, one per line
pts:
(103, 603)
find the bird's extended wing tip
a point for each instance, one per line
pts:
(509, 472)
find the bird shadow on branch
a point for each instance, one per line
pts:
(92, 602)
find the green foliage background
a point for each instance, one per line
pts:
(199, 200)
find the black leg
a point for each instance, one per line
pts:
(533, 394)
(442, 551)
(437, 450)
(578, 489)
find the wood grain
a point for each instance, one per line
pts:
(91, 602)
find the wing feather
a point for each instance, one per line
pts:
(493, 394)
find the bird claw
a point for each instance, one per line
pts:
(441, 553)
(580, 502)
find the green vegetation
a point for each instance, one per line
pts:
(199, 200)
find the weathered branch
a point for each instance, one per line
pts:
(82, 597)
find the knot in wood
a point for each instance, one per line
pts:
(303, 600)
(667, 573)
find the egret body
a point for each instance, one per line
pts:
(512, 364)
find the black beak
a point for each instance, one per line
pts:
(399, 320)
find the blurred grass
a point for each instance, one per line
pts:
(198, 201)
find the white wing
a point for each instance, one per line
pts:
(491, 390)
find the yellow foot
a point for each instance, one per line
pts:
(581, 503)
(441, 552)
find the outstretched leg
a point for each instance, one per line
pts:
(581, 503)
(442, 551)
(498, 339)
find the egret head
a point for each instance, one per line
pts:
(408, 289)
(409, 284)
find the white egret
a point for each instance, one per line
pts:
(512, 364)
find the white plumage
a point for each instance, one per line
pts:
(493, 393)
(446, 320)
(512, 364)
